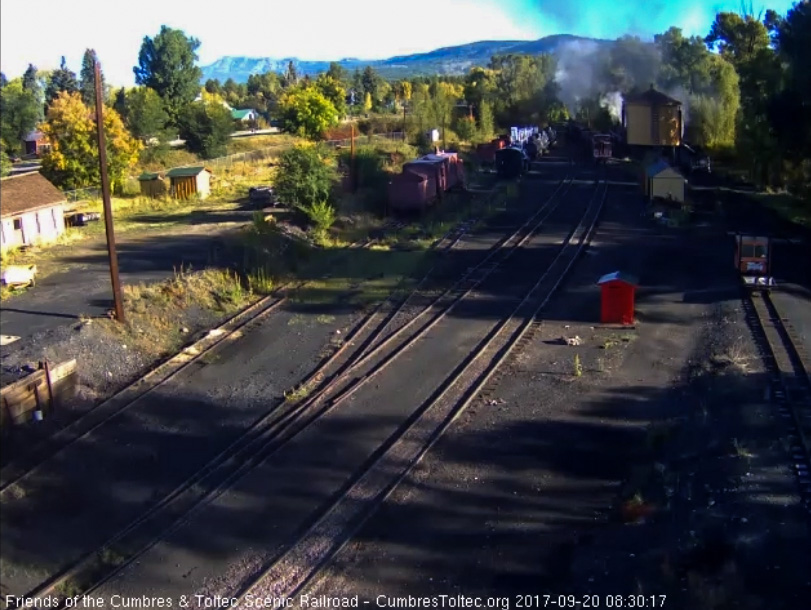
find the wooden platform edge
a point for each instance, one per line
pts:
(43, 390)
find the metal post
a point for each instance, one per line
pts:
(105, 194)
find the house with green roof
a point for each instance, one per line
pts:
(186, 181)
(244, 116)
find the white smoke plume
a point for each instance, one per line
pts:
(577, 71)
(613, 103)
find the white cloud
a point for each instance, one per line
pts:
(308, 29)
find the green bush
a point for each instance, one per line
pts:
(322, 215)
(466, 128)
(305, 176)
(369, 167)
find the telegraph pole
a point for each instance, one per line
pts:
(105, 195)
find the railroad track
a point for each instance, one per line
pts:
(281, 424)
(788, 368)
(230, 330)
(370, 487)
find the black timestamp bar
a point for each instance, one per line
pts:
(531, 602)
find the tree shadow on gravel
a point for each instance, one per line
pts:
(541, 505)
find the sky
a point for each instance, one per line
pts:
(320, 29)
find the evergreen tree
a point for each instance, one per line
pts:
(30, 81)
(62, 79)
(166, 64)
(87, 78)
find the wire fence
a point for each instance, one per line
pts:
(92, 192)
(271, 152)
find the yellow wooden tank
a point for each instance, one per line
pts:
(652, 119)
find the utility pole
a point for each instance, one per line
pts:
(105, 195)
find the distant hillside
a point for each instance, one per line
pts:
(447, 60)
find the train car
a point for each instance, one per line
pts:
(753, 260)
(411, 191)
(601, 147)
(510, 162)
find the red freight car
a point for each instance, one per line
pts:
(411, 191)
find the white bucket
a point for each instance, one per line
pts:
(38, 415)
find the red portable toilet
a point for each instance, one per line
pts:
(617, 291)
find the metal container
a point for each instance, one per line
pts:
(510, 162)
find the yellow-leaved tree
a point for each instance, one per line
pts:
(367, 102)
(73, 160)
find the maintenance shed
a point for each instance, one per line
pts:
(661, 181)
(153, 184)
(187, 181)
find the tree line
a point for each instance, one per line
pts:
(746, 88)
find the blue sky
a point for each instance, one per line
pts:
(320, 29)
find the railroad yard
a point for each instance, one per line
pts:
(483, 434)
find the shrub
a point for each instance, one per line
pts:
(322, 215)
(466, 128)
(305, 176)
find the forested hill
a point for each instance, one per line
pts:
(447, 60)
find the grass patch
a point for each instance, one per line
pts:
(614, 340)
(156, 312)
(788, 206)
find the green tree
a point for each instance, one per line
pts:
(31, 80)
(333, 91)
(746, 43)
(87, 78)
(337, 72)
(307, 112)
(5, 162)
(486, 121)
(62, 80)
(166, 64)
(480, 87)
(370, 81)
(145, 114)
(19, 114)
(213, 85)
(790, 109)
(305, 176)
(291, 75)
(73, 160)
(120, 103)
(206, 127)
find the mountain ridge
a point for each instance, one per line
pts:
(452, 60)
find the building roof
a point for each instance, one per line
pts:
(241, 114)
(180, 172)
(26, 193)
(151, 176)
(652, 97)
(619, 276)
(663, 169)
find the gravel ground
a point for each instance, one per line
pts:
(135, 459)
(98, 484)
(241, 533)
(658, 471)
